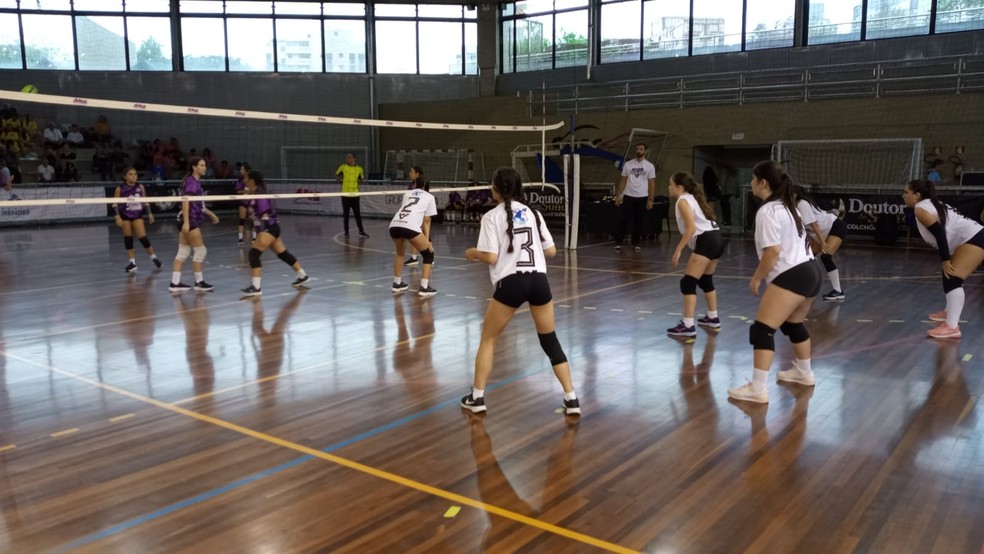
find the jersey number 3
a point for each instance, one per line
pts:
(527, 259)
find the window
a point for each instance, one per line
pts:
(620, 28)
(150, 43)
(250, 44)
(834, 21)
(48, 41)
(891, 18)
(508, 46)
(571, 42)
(203, 42)
(298, 45)
(201, 6)
(343, 37)
(534, 43)
(297, 8)
(396, 50)
(99, 43)
(10, 45)
(959, 15)
(46, 5)
(769, 23)
(437, 56)
(471, 49)
(147, 6)
(717, 26)
(665, 29)
(115, 6)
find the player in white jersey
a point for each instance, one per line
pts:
(515, 243)
(699, 232)
(411, 223)
(792, 277)
(960, 241)
(826, 232)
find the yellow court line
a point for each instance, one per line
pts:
(362, 468)
(120, 418)
(7, 447)
(65, 432)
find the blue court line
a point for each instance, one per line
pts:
(139, 520)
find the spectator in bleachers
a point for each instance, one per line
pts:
(65, 152)
(455, 209)
(74, 137)
(46, 171)
(7, 112)
(53, 137)
(209, 163)
(30, 127)
(101, 163)
(10, 136)
(224, 170)
(102, 129)
(477, 202)
(5, 177)
(934, 172)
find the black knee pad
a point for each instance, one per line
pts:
(242, 221)
(762, 337)
(688, 285)
(427, 256)
(796, 332)
(254, 257)
(144, 241)
(128, 243)
(828, 262)
(287, 258)
(951, 283)
(706, 282)
(551, 346)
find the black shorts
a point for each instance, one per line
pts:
(838, 229)
(977, 240)
(517, 288)
(273, 230)
(125, 218)
(804, 279)
(402, 233)
(710, 244)
(180, 224)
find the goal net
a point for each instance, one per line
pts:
(851, 162)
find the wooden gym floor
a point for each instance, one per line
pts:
(132, 420)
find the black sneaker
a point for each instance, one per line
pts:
(363, 234)
(572, 407)
(179, 287)
(202, 286)
(682, 330)
(157, 262)
(427, 292)
(834, 295)
(473, 405)
(412, 260)
(618, 247)
(299, 282)
(712, 322)
(400, 287)
(240, 241)
(251, 291)
(637, 248)
(130, 267)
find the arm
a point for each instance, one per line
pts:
(652, 194)
(426, 227)
(185, 221)
(931, 223)
(550, 252)
(150, 213)
(619, 189)
(473, 254)
(817, 243)
(770, 256)
(687, 233)
(116, 207)
(211, 215)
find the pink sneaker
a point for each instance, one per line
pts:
(944, 331)
(938, 316)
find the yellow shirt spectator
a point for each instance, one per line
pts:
(351, 175)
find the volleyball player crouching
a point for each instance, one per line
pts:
(129, 217)
(266, 227)
(826, 232)
(411, 223)
(515, 243)
(793, 280)
(960, 241)
(190, 220)
(699, 232)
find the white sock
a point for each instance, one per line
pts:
(424, 283)
(153, 256)
(805, 366)
(133, 261)
(240, 236)
(759, 379)
(256, 282)
(835, 279)
(954, 305)
(712, 313)
(301, 273)
(688, 321)
(397, 280)
(199, 277)
(175, 277)
(570, 395)
(477, 393)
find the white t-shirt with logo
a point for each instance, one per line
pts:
(701, 222)
(529, 241)
(774, 225)
(416, 204)
(959, 229)
(639, 174)
(809, 214)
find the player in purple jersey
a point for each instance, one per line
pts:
(129, 217)
(267, 227)
(189, 223)
(243, 204)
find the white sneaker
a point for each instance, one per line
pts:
(797, 375)
(748, 393)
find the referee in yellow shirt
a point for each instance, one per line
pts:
(350, 175)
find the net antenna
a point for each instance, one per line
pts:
(852, 162)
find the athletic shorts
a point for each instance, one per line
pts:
(126, 218)
(838, 229)
(804, 279)
(710, 244)
(977, 240)
(517, 288)
(180, 224)
(273, 230)
(402, 233)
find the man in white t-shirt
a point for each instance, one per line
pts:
(635, 194)
(52, 135)
(46, 172)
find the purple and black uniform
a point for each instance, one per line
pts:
(196, 209)
(241, 189)
(132, 209)
(261, 207)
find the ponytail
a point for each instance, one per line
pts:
(781, 186)
(800, 193)
(927, 190)
(686, 181)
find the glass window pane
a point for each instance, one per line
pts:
(566, 4)
(509, 9)
(959, 16)
(471, 49)
(620, 31)
(717, 26)
(299, 45)
(769, 23)
(150, 43)
(508, 60)
(396, 50)
(471, 12)
(534, 43)
(298, 8)
(201, 6)
(665, 29)
(534, 6)
(64, 5)
(890, 18)
(432, 10)
(48, 41)
(100, 43)
(331, 8)
(345, 46)
(203, 42)
(572, 38)
(10, 45)
(396, 10)
(12, 4)
(98, 5)
(440, 48)
(148, 6)
(262, 8)
(834, 21)
(250, 44)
